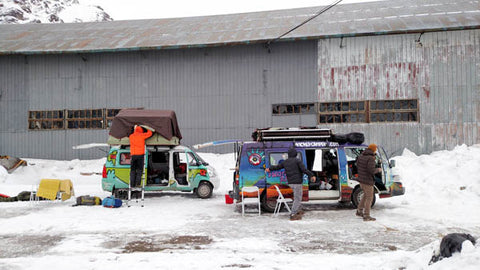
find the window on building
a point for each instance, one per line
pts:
(85, 119)
(342, 112)
(41, 120)
(71, 119)
(394, 110)
(370, 111)
(298, 108)
(109, 115)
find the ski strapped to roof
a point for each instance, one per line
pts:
(310, 133)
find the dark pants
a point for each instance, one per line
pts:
(136, 170)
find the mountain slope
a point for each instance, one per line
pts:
(49, 11)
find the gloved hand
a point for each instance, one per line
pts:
(147, 127)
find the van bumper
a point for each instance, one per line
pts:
(106, 186)
(397, 189)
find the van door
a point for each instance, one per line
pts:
(182, 161)
(324, 164)
(382, 160)
(158, 169)
(275, 157)
(118, 162)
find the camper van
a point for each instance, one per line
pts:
(332, 159)
(169, 166)
(175, 168)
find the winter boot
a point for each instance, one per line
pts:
(301, 212)
(296, 216)
(359, 213)
(368, 218)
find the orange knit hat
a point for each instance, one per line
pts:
(372, 147)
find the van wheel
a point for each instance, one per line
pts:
(357, 196)
(204, 190)
(120, 194)
(268, 205)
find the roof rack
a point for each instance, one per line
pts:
(310, 133)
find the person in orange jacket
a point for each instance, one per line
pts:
(137, 153)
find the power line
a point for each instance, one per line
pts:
(267, 44)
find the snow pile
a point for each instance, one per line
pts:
(179, 231)
(442, 182)
(50, 11)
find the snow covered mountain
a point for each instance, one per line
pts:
(49, 11)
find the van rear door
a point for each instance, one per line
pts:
(275, 157)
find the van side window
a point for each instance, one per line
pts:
(125, 159)
(279, 157)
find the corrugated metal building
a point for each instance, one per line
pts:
(406, 73)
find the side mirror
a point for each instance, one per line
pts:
(392, 163)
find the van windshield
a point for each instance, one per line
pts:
(199, 159)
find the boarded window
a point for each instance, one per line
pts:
(38, 120)
(341, 112)
(370, 111)
(394, 110)
(298, 108)
(71, 119)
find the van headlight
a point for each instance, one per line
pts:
(211, 172)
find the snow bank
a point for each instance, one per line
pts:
(442, 196)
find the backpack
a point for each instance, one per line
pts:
(111, 202)
(88, 200)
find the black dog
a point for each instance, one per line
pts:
(450, 244)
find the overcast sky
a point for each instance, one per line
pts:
(152, 9)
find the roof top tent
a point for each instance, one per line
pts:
(164, 122)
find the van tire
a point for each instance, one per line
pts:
(119, 193)
(357, 196)
(204, 190)
(268, 205)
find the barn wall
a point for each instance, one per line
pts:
(217, 93)
(441, 70)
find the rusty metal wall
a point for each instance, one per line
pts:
(218, 93)
(440, 69)
(226, 92)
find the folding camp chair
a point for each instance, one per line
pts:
(281, 200)
(250, 200)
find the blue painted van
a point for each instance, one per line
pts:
(330, 157)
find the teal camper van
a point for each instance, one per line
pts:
(169, 166)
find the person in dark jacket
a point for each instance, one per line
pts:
(137, 153)
(366, 173)
(294, 169)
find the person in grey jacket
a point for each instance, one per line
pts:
(294, 169)
(366, 177)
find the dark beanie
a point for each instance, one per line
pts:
(292, 152)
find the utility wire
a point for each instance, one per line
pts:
(267, 45)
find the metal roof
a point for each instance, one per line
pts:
(368, 18)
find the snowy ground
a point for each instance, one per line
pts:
(180, 231)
